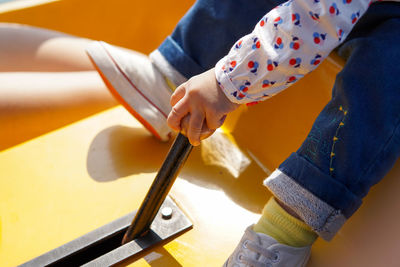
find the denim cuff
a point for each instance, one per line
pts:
(320, 216)
(329, 189)
(177, 58)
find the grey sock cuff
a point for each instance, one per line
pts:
(166, 69)
(320, 216)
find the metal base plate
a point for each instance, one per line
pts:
(102, 247)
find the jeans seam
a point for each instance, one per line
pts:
(336, 139)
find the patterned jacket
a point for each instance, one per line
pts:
(287, 43)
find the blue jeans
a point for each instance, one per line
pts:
(354, 141)
(208, 30)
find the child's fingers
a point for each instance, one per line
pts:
(177, 95)
(214, 122)
(185, 124)
(178, 111)
(195, 128)
(205, 132)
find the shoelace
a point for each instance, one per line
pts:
(272, 256)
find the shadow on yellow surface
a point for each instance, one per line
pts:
(119, 152)
(111, 154)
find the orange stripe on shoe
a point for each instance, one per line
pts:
(130, 81)
(124, 103)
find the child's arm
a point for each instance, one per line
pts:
(287, 43)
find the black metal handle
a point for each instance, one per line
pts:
(158, 191)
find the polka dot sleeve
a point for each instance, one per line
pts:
(286, 44)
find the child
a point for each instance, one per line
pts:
(354, 141)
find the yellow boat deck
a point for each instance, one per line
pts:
(71, 177)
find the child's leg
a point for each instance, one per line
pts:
(356, 138)
(353, 143)
(205, 35)
(46, 79)
(30, 92)
(26, 48)
(41, 68)
(34, 103)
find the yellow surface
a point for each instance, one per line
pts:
(66, 183)
(124, 22)
(63, 184)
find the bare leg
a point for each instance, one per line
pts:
(39, 67)
(34, 103)
(46, 81)
(31, 91)
(26, 48)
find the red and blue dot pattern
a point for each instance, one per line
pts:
(316, 60)
(295, 62)
(267, 83)
(278, 43)
(287, 43)
(295, 44)
(256, 43)
(277, 21)
(319, 38)
(354, 17)
(271, 65)
(296, 19)
(253, 66)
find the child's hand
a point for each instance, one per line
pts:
(201, 99)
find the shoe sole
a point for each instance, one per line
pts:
(99, 51)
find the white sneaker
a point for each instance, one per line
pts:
(136, 83)
(260, 250)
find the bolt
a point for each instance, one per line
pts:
(166, 213)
